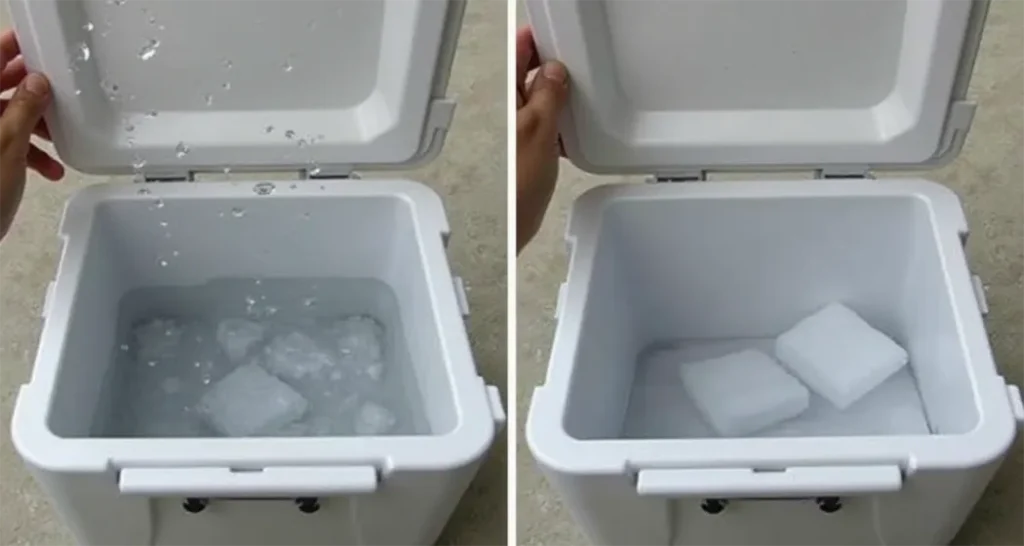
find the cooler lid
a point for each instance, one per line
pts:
(663, 86)
(250, 85)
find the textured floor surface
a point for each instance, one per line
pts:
(989, 179)
(470, 175)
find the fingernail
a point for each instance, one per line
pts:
(37, 84)
(555, 72)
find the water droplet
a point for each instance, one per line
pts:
(309, 302)
(131, 142)
(117, 2)
(264, 188)
(312, 25)
(151, 363)
(287, 66)
(163, 262)
(320, 136)
(238, 212)
(271, 310)
(112, 90)
(124, 347)
(163, 224)
(158, 204)
(227, 86)
(175, 253)
(152, 114)
(181, 150)
(220, 214)
(138, 164)
(144, 191)
(289, 134)
(294, 186)
(228, 64)
(88, 27)
(152, 21)
(206, 380)
(209, 99)
(129, 127)
(249, 301)
(148, 50)
(315, 170)
(197, 364)
(269, 129)
(78, 92)
(84, 53)
(258, 282)
(227, 170)
(301, 143)
(305, 216)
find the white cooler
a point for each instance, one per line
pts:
(173, 90)
(695, 269)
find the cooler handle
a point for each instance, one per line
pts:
(281, 481)
(748, 483)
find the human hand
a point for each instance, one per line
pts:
(537, 142)
(21, 116)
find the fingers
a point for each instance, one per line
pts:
(42, 163)
(23, 113)
(12, 74)
(545, 99)
(41, 130)
(8, 48)
(526, 57)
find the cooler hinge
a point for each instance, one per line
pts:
(332, 173)
(840, 173)
(187, 176)
(698, 175)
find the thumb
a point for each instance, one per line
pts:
(25, 110)
(548, 92)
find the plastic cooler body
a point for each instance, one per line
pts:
(717, 267)
(389, 230)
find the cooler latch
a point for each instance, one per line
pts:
(186, 176)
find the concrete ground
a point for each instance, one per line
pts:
(471, 177)
(989, 178)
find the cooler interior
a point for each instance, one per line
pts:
(685, 279)
(299, 268)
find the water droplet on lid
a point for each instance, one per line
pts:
(197, 364)
(301, 143)
(287, 66)
(131, 142)
(238, 212)
(129, 127)
(227, 170)
(264, 188)
(152, 114)
(305, 216)
(163, 224)
(88, 27)
(209, 99)
(144, 191)
(148, 50)
(294, 186)
(151, 363)
(181, 150)
(124, 347)
(84, 53)
(78, 92)
(162, 262)
(309, 302)
(158, 204)
(220, 214)
(206, 380)
(138, 164)
(228, 64)
(258, 282)
(227, 86)
(175, 253)
(271, 310)
(152, 21)
(315, 170)
(289, 134)
(269, 129)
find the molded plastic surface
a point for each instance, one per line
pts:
(381, 229)
(712, 268)
(261, 85)
(660, 86)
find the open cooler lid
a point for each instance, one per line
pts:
(669, 86)
(250, 85)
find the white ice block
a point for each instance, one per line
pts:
(295, 356)
(249, 401)
(360, 340)
(744, 392)
(839, 355)
(374, 420)
(237, 337)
